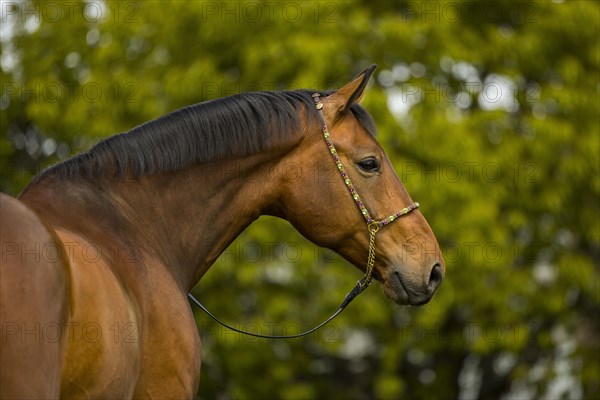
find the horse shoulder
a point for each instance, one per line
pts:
(170, 342)
(103, 350)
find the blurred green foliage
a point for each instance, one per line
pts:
(489, 112)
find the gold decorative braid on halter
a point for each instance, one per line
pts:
(373, 228)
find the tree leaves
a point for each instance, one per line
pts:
(488, 111)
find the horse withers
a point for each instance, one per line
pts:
(100, 251)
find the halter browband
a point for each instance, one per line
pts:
(373, 227)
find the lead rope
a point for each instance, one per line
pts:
(373, 227)
(349, 297)
(361, 285)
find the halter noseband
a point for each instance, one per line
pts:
(373, 226)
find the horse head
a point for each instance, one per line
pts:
(343, 202)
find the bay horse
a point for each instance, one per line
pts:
(100, 250)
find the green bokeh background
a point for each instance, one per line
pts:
(489, 113)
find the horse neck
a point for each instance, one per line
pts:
(184, 219)
(204, 208)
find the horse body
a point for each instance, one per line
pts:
(118, 256)
(128, 274)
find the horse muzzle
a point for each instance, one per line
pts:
(405, 291)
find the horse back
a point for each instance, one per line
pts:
(34, 304)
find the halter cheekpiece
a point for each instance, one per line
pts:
(361, 206)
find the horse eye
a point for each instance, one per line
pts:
(369, 164)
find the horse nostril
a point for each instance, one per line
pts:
(435, 278)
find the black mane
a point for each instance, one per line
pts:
(232, 126)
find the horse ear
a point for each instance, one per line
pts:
(352, 92)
